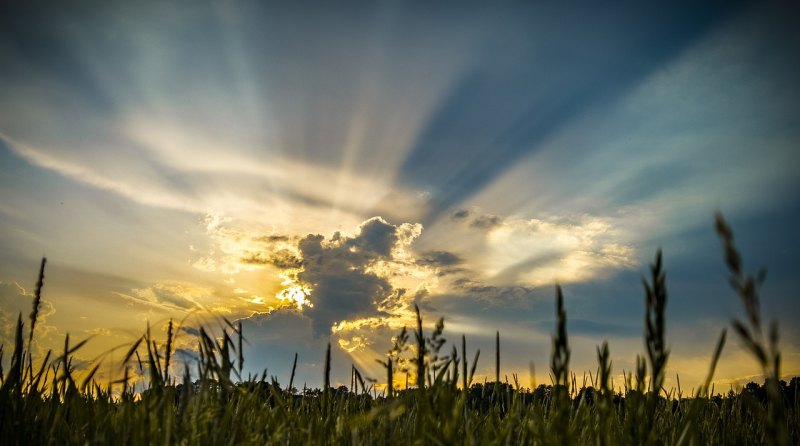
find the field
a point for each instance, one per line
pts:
(43, 402)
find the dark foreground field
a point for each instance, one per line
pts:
(42, 402)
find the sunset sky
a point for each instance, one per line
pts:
(315, 169)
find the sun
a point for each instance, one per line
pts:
(296, 294)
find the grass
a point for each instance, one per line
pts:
(42, 402)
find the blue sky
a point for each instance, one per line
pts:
(315, 170)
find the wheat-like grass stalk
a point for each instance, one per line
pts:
(561, 352)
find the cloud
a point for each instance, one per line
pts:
(506, 295)
(333, 280)
(439, 259)
(340, 274)
(486, 221)
(175, 296)
(542, 251)
(330, 278)
(283, 259)
(533, 250)
(459, 214)
(349, 283)
(358, 288)
(16, 301)
(476, 219)
(235, 250)
(99, 331)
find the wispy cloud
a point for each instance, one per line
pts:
(16, 302)
(539, 251)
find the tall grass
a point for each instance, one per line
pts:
(41, 402)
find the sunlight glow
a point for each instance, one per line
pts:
(354, 344)
(297, 295)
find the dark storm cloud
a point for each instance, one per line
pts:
(337, 270)
(376, 238)
(509, 102)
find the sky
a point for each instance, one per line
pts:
(314, 170)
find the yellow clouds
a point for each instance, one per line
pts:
(235, 250)
(353, 344)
